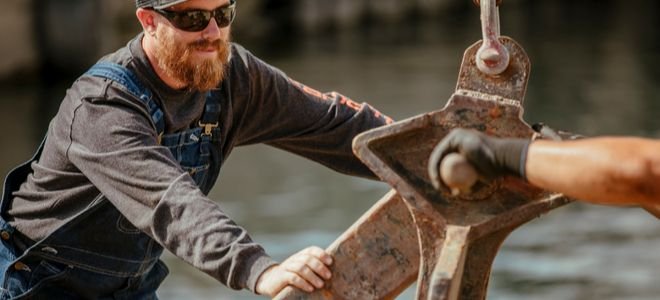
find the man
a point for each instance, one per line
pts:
(605, 170)
(137, 144)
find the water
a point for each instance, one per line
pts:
(588, 76)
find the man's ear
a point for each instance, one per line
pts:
(146, 18)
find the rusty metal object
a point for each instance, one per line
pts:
(460, 235)
(653, 209)
(450, 242)
(376, 258)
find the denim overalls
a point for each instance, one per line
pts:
(98, 254)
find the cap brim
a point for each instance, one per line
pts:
(169, 4)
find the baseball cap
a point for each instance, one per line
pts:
(157, 4)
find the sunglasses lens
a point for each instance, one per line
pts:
(224, 16)
(194, 20)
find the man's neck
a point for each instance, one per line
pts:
(148, 47)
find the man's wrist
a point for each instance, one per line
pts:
(260, 265)
(522, 168)
(262, 277)
(512, 154)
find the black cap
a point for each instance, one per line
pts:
(158, 4)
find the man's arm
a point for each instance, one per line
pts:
(113, 144)
(607, 170)
(286, 114)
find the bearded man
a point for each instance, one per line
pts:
(137, 144)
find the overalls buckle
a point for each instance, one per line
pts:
(208, 127)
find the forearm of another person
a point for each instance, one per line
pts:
(608, 170)
(605, 170)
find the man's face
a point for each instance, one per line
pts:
(196, 59)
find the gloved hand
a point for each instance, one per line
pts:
(492, 157)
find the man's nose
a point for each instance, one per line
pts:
(212, 32)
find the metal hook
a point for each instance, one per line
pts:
(492, 57)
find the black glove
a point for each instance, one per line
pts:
(491, 156)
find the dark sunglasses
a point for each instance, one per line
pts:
(196, 19)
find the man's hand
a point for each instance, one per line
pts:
(491, 156)
(306, 270)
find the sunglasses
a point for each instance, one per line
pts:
(195, 20)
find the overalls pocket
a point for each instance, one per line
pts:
(47, 271)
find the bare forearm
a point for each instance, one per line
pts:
(601, 170)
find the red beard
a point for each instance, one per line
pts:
(177, 61)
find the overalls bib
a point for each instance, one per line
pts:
(98, 254)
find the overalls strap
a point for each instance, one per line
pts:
(211, 114)
(126, 78)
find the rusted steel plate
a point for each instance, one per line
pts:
(376, 258)
(388, 150)
(511, 84)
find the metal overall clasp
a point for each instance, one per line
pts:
(207, 127)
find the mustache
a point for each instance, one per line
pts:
(205, 44)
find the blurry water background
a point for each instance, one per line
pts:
(595, 71)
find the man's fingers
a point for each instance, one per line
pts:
(319, 253)
(319, 268)
(297, 281)
(316, 259)
(305, 271)
(308, 274)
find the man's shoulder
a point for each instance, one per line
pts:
(246, 58)
(251, 63)
(240, 54)
(115, 75)
(110, 81)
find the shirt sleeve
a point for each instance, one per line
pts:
(292, 116)
(114, 145)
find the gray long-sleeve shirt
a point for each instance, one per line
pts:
(102, 141)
